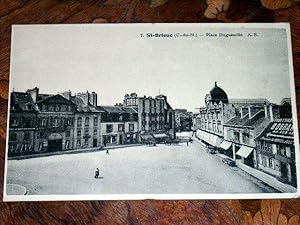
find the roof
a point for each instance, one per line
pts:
(42, 97)
(111, 109)
(82, 107)
(258, 121)
(279, 131)
(249, 101)
(23, 102)
(282, 127)
(129, 110)
(286, 100)
(218, 94)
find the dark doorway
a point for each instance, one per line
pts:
(55, 145)
(95, 142)
(121, 139)
(283, 170)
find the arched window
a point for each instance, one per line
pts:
(87, 121)
(79, 122)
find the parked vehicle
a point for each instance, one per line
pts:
(211, 150)
(228, 161)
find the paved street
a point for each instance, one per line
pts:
(133, 170)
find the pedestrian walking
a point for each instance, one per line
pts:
(97, 173)
(187, 143)
(107, 152)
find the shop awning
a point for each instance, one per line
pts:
(244, 151)
(209, 138)
(225, 145)
(160, 135)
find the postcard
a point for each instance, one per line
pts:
(151, 111)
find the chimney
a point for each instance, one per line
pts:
(244, 112)
(266, 111)
(34, 93)
(84, 97)
(66, 94)
(271, 113)
(93, 98)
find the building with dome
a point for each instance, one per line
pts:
(218, 110)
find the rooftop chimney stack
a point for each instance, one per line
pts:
(34, 93)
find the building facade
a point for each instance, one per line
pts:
(218, 110)
(183, 120)
(119, 125)
(155, 116)
(49, 122)
(275, 149)
(240, 133)
(22, 124)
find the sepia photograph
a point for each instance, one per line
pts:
(151, 111)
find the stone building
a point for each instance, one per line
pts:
(240, 133)
(275, 149)
(155, 116)
(119, 125)
(183, 120)
(87, 132)
(218, 110)
(46, 122)
(22, 124)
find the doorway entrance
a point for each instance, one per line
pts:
(54, 142)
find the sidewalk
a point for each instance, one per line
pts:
(266, 178)
(73, 151)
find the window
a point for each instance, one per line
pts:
(51, 108)
(95, 131)
(87, 121)
(63, 108)
(95, 121)
(271, 163)
(43, 122)
(86, 132)
(78, 133)
(282, 150)
(274, 148)
(288, 151)
(246, 138)
(69, 108)
(121, 127)
(109, 128)
(44, 108)
(236, 136)
(56, 123)
(57, 108)
(68, 133)
(121, 118)
(41, 135)
(79, 122)
(86, 141)
(14, 122)
(78, 142)
(12, 136)
(131, 127)
(26, 136)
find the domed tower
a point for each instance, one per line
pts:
(216, 95)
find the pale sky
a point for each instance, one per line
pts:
(113, 60)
